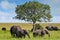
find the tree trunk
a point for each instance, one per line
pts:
(33, 26)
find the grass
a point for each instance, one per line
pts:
(27, 26)
(54, 35)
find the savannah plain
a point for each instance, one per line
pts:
(5, 35)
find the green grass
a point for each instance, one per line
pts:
(54, 35)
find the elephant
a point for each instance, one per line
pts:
(4, 29)
(18, 32)
(40, 33)
(51, 28)
(14, 30)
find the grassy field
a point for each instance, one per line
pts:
(54, 35)
(27, 26)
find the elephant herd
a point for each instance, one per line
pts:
(17, 31)
(51, 28)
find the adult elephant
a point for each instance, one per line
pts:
(18, 32)
(15, 30)
(40, 33)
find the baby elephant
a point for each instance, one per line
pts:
(40, 33)
(4, 29)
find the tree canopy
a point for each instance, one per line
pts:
(33, 11)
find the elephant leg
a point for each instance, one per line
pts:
(18, 34)
(41, 35)
(24, 36)
(47, 33)
(13, 35)
(34, 34)
(28, 35)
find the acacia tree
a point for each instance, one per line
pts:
(33, 11)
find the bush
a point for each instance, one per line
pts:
(37, 26)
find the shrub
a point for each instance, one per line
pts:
(37, 26)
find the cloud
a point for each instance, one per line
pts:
(8, 17)
(56, 19)
(7, 11)
(55, 7)
(7, 5)
(56, 1)
(5, 16)
(3, 13)
(53, 2)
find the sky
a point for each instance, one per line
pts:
(7, 9)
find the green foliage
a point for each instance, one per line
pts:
(33, 11)
(37, 26)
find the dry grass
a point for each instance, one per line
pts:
(27, 26)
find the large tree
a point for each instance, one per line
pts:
(34, 12)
